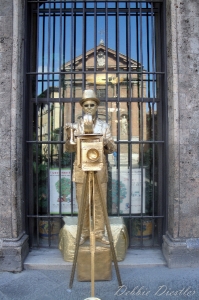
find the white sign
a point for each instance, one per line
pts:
(61, 185)
(136, 193)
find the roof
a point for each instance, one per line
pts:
(110, 52)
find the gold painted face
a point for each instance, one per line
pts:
(90, 107)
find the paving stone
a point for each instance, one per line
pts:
(138, 283)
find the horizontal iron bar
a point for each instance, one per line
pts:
(138, 142)
(67, 11)
(76, 100)
(117, 142)
(62, 1)
(124, 216)
(93, 73)
(142, 217)
(49, 217)
(45, 142)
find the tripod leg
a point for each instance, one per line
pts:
(92, 231)
(110, 237)
(79, 227)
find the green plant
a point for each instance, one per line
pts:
(148, 198)
(40, 177)
(66, 159)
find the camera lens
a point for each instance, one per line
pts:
(93, 155)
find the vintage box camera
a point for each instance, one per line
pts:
(90, 152)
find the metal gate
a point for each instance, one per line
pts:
(118, 49)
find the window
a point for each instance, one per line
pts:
(116, 48)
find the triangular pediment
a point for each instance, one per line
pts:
(100, 54)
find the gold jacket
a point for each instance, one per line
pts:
(100, 127)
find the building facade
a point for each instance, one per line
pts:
(147, 81)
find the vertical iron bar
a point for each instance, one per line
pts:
(53, 50)
(137, 39)
(72, 36)
(138, 89)
(118, 98)
(148, 53)
(95, 36)
(106, 50)
(129, 97)
(84, 42)
(95, 45)
(165, 113)
(60, 149)
(141, 115)
(72, 104)
(49, 121)
(26, 109)
(118, 159)
(106, 57)
(36, 129)
(36, 79)
(129, 76)
(153, 120)
(117, 43)
(43, 49)
(64, 45)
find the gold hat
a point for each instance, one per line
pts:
(89, 95)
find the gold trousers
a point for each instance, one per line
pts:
(99, 218)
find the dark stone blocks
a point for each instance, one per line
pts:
(181, 253)
(13, 253)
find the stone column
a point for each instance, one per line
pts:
(181, 242)
(13, 240)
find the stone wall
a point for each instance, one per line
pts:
(13, 241)
(181, 243)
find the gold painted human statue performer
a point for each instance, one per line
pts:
(90, 123)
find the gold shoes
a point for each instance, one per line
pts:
(82, 239)
(103, 240)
